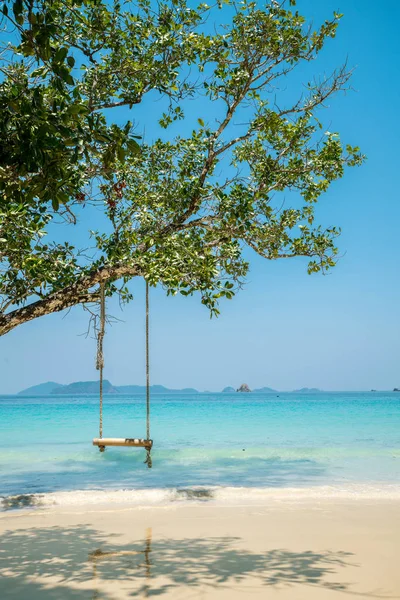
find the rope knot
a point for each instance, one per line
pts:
(148, 460)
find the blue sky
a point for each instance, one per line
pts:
(286, 329)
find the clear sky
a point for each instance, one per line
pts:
(286, 329)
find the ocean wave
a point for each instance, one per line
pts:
(218, 496)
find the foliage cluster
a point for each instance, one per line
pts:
(177, 210)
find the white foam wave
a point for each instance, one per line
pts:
(217, 496)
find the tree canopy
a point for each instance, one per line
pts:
(177, 209)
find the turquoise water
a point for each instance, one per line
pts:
(224, 440)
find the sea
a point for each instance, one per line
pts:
(233, 448)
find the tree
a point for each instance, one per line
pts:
(177, 211)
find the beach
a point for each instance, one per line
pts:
(291, 497)
(319, 548)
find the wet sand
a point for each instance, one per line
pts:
(312, 550)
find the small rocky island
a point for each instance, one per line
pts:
(244, 388)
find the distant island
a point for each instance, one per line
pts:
(244, 388)
(85, 387)
(43, 389)
(92, 387)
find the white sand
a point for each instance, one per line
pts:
(313, 550)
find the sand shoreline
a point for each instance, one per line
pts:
(326, 549)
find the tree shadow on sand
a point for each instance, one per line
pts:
(67, 563)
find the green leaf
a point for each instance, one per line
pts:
(40, 72)
(76, 109)
(60, 55)
(62, 197)
(45, 50)
(17, 9)
(133, 146)
(201, 122)
(121, 153)
(101, 137)
(65, 76)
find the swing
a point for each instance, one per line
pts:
(129, 442)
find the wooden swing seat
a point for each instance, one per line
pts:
(133, 442)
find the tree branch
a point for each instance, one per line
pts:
(77, 293)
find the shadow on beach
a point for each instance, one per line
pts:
(66, 563)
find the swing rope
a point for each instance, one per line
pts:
(100, 367)
(100, 355)
(148, 460)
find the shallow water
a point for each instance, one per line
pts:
(200, 441)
